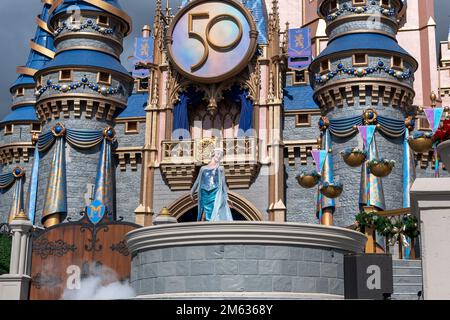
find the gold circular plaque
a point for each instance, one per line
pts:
(212, 40)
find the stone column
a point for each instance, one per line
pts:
(15, 285)
(430, 203)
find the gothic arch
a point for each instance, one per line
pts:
(179, 207)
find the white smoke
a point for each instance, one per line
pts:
(101, 285)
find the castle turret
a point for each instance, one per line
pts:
(364, 78)
(18, 127)
(78, 95)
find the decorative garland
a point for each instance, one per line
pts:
(362, 72)
(371, 5)
(85, 25)
(83, 83)
(389, 227)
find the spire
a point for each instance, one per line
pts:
(42, 49)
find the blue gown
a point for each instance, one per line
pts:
(212, 195)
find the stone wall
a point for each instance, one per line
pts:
(128, 188)
(238, 268)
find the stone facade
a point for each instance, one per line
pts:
(238, 268)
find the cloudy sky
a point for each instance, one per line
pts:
(17, 21)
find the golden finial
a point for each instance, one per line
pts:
(34, 138)
(21, 216)
(165, 212)
(433, 98)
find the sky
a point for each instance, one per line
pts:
(18, 27)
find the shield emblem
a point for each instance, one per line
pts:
(96, 211)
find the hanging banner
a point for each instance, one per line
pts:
(299, 51)
(319, 157)
(366, 133)
(143, 53)
(434, 116)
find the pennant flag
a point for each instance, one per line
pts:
(319, 157)
(299, 51)
(367, 133)
(434, 116)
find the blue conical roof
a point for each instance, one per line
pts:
(37, 60)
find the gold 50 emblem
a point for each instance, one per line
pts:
(207, 42)
(210, 41)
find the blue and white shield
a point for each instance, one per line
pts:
(96, 211)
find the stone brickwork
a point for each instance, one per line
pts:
(301, 203)
(292, 132)
(128, 186)
(238, 268)
(130, 139)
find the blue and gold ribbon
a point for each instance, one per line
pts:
(327, 171)
(19, 174)
(32, 191)
(55, 203)
(104, 182)
(371, 189)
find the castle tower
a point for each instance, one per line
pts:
(364, 77)
(78, 95)
(17, 128)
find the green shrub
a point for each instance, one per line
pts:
(5, 253)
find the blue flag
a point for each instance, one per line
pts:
(299, 51)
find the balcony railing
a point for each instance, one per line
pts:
(239, 150)
(180, 160)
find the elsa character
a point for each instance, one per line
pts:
(212, 191)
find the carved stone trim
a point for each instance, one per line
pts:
(304, 148)
(345, 93)
(16, 152)
(74, 106)
(128, 156)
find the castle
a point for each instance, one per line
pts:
(83, 132)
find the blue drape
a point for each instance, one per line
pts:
(327, 171)
(6, 180)
(181, 119)
(408, 171)
(371, 188)
(345, 127)
(17, 204)
(246, 117)
(32, 191)
(55, 203)
(104, 186)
